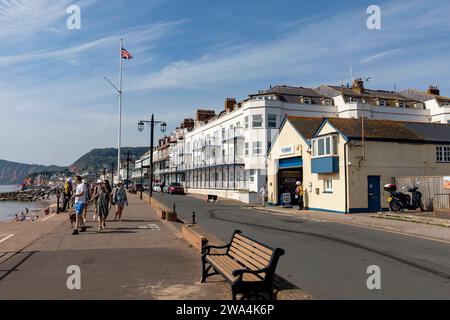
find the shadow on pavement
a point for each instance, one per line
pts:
(17, 265)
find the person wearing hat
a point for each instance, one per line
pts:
(299, 195)
(102, 200)
(120, 200)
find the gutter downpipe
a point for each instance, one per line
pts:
(346, 178)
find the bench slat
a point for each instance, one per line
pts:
(226, 265)
(254, 244)
(267, 254)
(248, 260)
(254, 253)
(232, 265)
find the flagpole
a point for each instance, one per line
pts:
(120, 111)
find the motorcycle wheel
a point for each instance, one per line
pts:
(395, 206)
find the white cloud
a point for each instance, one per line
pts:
(380, 55)
(24, 18)
(315, 49)
(141, 35)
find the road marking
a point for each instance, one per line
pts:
(49, 217)
(6, 238)
(151, 227)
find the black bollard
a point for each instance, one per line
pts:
(174, 208)
(193, 218)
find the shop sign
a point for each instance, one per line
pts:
(287, 150)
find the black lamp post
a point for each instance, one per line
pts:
(141, 127)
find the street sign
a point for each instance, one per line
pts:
(286, 199)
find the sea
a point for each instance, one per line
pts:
(8, 210)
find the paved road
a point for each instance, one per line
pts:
(330, 260)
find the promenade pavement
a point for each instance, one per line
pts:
(140, 258)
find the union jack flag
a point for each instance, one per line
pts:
(126, 55)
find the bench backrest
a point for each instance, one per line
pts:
(252, 254)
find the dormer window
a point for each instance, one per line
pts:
(382, 103)
(306, 100)
(401, 104)
(418, 105)
(327, 102)
(445, 104)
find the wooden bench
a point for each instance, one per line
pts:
(212, 198)
(247, 265)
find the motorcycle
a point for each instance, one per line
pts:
(399, 201)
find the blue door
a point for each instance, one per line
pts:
(374, 184)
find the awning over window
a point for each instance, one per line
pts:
(296, 162)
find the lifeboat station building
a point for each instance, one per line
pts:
(343, 163)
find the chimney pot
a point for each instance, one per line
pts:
(358, 86)
(434, 90)
(230, 104)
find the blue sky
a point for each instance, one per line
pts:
(55, 105)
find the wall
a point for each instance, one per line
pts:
(316, 198)
(389, 160)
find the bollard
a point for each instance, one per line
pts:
(193, 218)
(174, 208)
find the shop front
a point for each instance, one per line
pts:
(290, 171)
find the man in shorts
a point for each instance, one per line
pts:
(80, 204)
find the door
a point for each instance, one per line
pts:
(374, 193)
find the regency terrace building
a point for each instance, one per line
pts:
(225, 154)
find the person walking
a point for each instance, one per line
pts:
(120, 200)
(102, 202)
(264, 195)
(88, 199)
(299, 195)
(96, 190)
(67, 194)
(79, 205)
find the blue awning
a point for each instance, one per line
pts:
(291, 163)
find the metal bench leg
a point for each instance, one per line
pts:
(205, 272)
(233, 294)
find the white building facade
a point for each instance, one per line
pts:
(226, 154)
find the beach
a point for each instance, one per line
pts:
(9, 209)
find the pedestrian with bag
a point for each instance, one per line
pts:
(299, 195)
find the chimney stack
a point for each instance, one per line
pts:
(230, 104)
(188, 124)
(358, 85)
(204, 115)
(434, 90)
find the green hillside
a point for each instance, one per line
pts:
(14, 173)
(98, 159)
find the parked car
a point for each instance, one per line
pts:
(139, 187)
(157, 188)
(175, 188)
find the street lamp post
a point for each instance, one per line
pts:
(141, 127)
